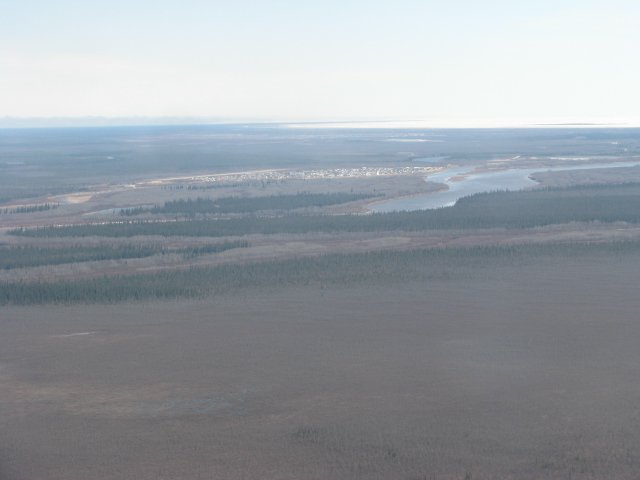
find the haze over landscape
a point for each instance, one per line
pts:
(319, 240)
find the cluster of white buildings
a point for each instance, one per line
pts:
(329, 173)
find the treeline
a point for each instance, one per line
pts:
(248, 204)
(518, 209)
(191, 252)
(42, 207)
(31, 256)
(345, 269)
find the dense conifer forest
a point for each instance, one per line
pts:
(503, 209)
(31, 256)
(249, 204)
(341, 269)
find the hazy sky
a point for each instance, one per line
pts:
(297, 59)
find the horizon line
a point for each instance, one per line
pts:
(96, 121)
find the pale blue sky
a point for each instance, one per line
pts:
(451, 61)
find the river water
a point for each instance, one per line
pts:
(513, 179)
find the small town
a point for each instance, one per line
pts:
(315, 174)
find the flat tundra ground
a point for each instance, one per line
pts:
(525, 371)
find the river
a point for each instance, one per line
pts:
(512, 179)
